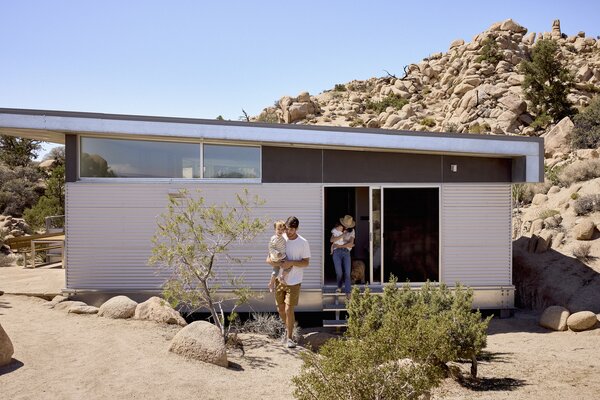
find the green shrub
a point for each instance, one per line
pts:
(396, 346)
(357, 122)
(586, 133)
(339, 87)
(451, 128)
(490, 51)
(393, 100)
(574, 196)
(552, 174)
(579, 171)
(541, 121)
(268, 116)
(547, 82)
(429, 122)
(543, 214)
(19, 189)
(587, 204)
(51, 203)
(476, 128)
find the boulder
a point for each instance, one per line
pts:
(558, 138)
(456, 43)
(555, 318)
(582, 321)
(296, 112)
(66, 305)
(314, 340)
(158, 310)
(83, 309)
(303, 97)
(202, 341)
(539, 198)
(513, 103)
(584, 230)
(118, 307)
(6, 348)
(543, 241)
(510, 25)
(55, 300)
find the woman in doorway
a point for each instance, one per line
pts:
(342, 241)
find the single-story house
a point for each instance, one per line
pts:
(428, 206)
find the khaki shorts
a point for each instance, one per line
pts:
(285, 294)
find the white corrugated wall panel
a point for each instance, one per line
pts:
(476, 243)
(110, 226)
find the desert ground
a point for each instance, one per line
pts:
(59, 355)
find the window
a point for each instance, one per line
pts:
(226, 162)
(117, 158)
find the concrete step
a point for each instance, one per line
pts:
(335, 323)
(334, 307)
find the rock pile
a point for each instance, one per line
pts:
(558, 318)
(11, 227)
(473, 87)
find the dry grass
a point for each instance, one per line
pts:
(579, 171)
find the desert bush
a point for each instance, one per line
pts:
(339, 87)
(574, 196)
(428, 122)
(451, 128)
(268, 116)
(587, 204)
(267, 324)
(546, 213)
(357, 122)
(547, 81)
(525, 192)
(51, 203)
(582, 251)
(19, 188)
(392, 100)
(579, 171)
(476, 128)
(7, 260)
(541, 121)
(551, 173)
(397, 345)
(586, 132)
(490, 51)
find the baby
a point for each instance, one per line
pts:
(277, 253)
(337, 231)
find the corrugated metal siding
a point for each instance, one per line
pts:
(476, 243)
(110, 226)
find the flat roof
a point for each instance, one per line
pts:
(52, 126)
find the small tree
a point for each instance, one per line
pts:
(547, 81)
(18, 152)
(192, 238)
(52, 202)
(586, 133)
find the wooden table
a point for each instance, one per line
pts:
(48, 243)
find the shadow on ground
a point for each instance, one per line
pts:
(490, 384)
(12, 366)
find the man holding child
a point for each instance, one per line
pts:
(287, 293)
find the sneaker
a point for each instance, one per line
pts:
(290, 344)
(338, 290)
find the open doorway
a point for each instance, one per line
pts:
(411, 234)
(340, 201)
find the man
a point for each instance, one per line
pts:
(287, 294)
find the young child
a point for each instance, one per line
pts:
(277, 252)
(337, 232)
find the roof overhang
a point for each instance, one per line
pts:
(52, 126)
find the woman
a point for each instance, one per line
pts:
(342, 241)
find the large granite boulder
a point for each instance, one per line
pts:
(158, 310)
(582, 321)
(584, 230)
(6, 348)
(202, 341)
(558, 139)
(118, 307)
(555, 318)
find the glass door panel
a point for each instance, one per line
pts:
(375, 235)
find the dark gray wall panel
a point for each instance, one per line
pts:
(477, 169)
(291, 165)
(365, 166)
(70, 158)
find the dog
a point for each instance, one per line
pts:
(357, 272)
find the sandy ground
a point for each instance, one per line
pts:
(58, 355)
(46, 281)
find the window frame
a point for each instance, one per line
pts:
(200, 144)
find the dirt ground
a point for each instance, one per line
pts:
(58, 355)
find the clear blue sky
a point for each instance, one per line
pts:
(207, 58)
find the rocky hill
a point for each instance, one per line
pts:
(475, 87)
